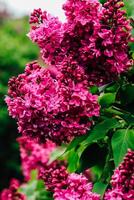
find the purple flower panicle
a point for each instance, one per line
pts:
(95, 37)
(11, 193)
(77, 187)
(123, 180)
(47, 108)
(34, 155)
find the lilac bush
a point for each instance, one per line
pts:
(82, 103)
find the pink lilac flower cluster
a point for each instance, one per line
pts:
(123, 180)
(11, 193)
(54, 175)
(37, 156)
(47, 108)
(76, 188)
(116, 36)
(94, 38)
(34, 155)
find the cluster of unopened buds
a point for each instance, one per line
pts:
(53, 104)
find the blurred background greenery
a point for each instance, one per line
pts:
(15, 51)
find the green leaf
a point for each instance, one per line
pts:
(114, 87)
(29, 189)
(59, 151)
(33, 175)
(102, 1)
(94, 90)
(102, 88)
(40, 185)
(121, 141)
(107, 99)
(99, 188)
(35, 190)
(100, 130)
(44, 195)
(73, 161)
(93, 155)
(129, 5)
(75, 142)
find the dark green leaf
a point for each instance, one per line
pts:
(127, 94)
(112, 88)
(93, 155)
(102, 1)
(44, 195)
(128, 118)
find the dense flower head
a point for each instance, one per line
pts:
(123, 180)
(116, 34)
(34, 155)
(95, 37)
(47, 32)
(76, 188)
(54, 175)
(37, 156)
(11, 193)
(47, 108)
(71, 71)
(82, 11)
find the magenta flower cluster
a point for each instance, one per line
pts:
(34, 155)
(73, 186)
(94, 37)
(47, 108)
(11, 193)
(123, 180)
(54, 174)
(53, 105)
(77, 187)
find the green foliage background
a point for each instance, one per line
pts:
(15, 51)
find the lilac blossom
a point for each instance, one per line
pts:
(95, 37)
(47, 108)
(11, 193)
(77, 188)
(122, 181)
